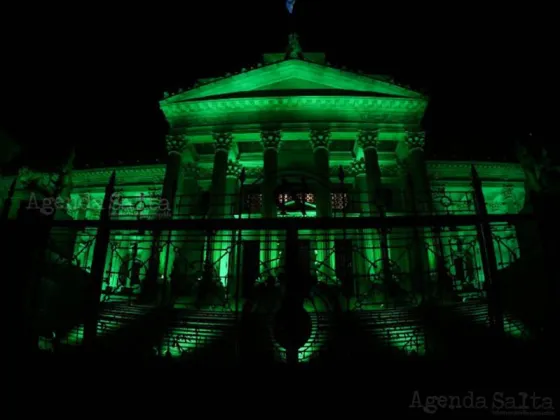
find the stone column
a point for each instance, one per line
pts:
(368, 141)
(269, 246)
(225, 241)
(320, 140)
(191, 242)
(172, 181)
(222, 143)
(365, 244)
(419, 185)
(416, 163)
(189, 192)
(176, 145)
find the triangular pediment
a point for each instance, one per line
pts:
(294, 75)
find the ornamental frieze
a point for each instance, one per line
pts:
(487, 171)
(367, 107)
(125, 175)
(358, 166)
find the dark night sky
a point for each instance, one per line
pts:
(93, 77)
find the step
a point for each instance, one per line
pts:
(477, 313)
(194, 330)
(395, 328)
(111, 318)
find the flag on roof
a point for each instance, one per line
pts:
(290, 5)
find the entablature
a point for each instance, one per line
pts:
(347, 109)
(299, 132)
(487, 171)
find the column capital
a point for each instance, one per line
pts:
(234, 169)
(223, 141)
(368, 139)
(508, 192)
(191, 170)
(358, 166)
(402, 167)
(320, 138)
(271, 139)
(415, 140)
(176, 143)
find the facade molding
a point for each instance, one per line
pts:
(296, 108)
(153, 174)
(486, 170)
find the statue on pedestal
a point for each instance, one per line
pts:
(294, 47)
(542, 177)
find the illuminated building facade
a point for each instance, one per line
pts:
(292, 138)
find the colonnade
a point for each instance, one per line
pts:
(225, 185)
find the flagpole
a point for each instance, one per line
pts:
(291, 18)
(294, 48)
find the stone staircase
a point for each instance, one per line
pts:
(321, 328)
(476, 313)
(191, 332)
(113, 318)
(398, 328)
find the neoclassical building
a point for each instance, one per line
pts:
(292, 137)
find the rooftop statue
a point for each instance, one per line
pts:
(294, 47)
(541, 175)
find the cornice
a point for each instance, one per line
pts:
(271, 73)
(347, 108)
(153, 174)
(277, 103)
(149, 174)
(387, 170)
(486, 170)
